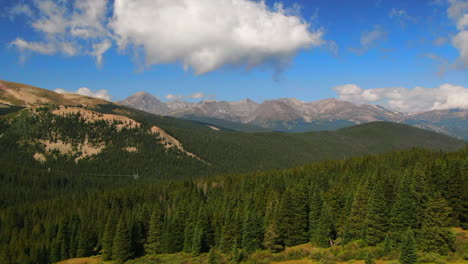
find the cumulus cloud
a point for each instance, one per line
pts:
(197, 95)
(202, 35)
(103, 94)
(446, 96)
(207, 34)
(370, 39)
(458, 12)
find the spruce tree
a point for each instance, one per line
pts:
(272, 240)
(314, 213)
(408, 248)
(355, 225)
(122, 244)
(153, 243)
(108, 236)
(435, 234)
(293, 217)
(376, 220)
(325, 227)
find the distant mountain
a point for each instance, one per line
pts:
(293, 115)
(146, 102)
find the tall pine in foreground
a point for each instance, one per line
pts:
(108, 236)
(153, 243)
(408, 248)
(122, 245)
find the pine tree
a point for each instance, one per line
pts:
(325, 229)
(355, 225)
(314, 214)
(108, 236)
(153, 244)
(251, 231)
(198, 237)
(435, 236)
(272, 240)
(376, 220)
(122, 244)
(403, 214)
(408, 248)
(293, 217)
(86, 241)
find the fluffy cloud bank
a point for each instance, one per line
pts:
(103, 94)
(446, 96)
(203, 35)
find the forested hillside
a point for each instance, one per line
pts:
(52, 150)
(400, 202)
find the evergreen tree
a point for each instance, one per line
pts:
(122, 244)
(376, 220)
(355, 226)
(387, 245)
(272, 240)
(197, 242)
(435, 236)
(293, 217)
(325, 229)
(86, 241)
(251, 231)
(108, 236)
(153, 243)
(408, 248)
(314, 214)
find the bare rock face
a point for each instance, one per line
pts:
(146, 102)
(290, 114)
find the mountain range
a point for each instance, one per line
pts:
(293, 115)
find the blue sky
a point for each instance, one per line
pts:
(368, 43)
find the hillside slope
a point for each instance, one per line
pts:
(50, 149)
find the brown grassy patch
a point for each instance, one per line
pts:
(90, 260)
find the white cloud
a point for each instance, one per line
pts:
(207, 34)
(446, 96)
(203, 35)
(103, 94)
(77, 31)
(370, 39)
(458, 12)
(197, 95)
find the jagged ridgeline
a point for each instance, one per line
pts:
(392, 201)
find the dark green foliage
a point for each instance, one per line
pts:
(243, 213)
(153, 243)
(376, 219)
(293, 212)
(435, 234)
(213, 258)
(122, 246)
(108, 236)
(408, 248)
(369, 259)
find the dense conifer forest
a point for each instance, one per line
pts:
(404, 202)
(24, 131)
